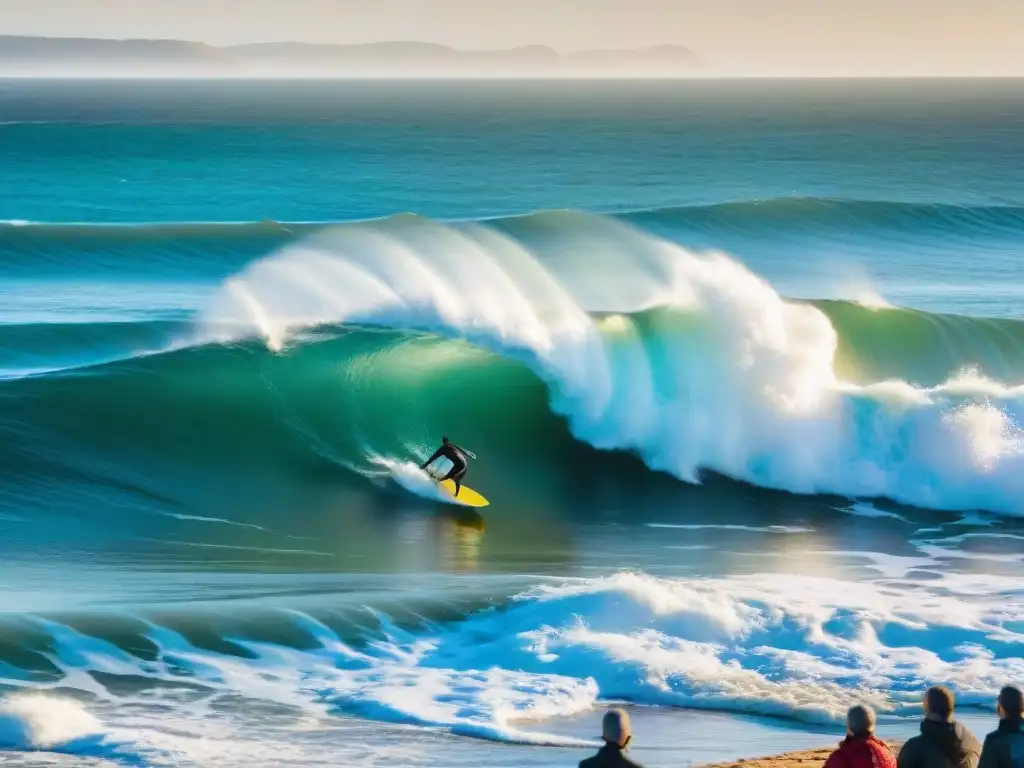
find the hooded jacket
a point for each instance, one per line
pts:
(1004, 748)
(926, 750)
(863, 752)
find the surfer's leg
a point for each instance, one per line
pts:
(457, 477)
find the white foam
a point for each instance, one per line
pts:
(870, 299)
(891, 566)
(413, 479)
(45, 722)
(936, 552)
(37, 721)
(732, 527)
(777, 644)
(974, 518)
(201, 519)
(738, 380)
(980, 535)
(868, 510)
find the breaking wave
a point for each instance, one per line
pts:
(566, 331)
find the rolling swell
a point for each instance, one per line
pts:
(923, 348)
(211, 247)
(28, 349)
(797, 213)
(184, 250)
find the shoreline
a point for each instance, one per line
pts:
(798, 759)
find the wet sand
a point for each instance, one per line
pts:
(802, 759)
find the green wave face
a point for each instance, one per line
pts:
(332, 404)
(921, 347)
(325, 411)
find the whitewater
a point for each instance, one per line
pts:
(795, 647)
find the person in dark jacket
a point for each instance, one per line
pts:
(616, 735)
(943, 743)
(1004, 748)
(860, 748)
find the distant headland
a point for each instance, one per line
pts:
(94, 57)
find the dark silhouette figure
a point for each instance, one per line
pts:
(943, 743)
(616, 736)
(1004, 748)
(457, 456)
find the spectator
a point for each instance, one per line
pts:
(943, 743)
(616, 735)
(860, 748)
(1004, 747)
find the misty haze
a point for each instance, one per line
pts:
(79, 57)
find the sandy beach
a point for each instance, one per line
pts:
(801, 759)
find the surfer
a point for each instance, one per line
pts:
(457, 456)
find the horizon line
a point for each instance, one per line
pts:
(705, 75)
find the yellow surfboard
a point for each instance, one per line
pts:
(467, 496)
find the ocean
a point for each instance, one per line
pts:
(742, 363)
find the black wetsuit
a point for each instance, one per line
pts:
(457, 457)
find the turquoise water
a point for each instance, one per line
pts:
(743, 363)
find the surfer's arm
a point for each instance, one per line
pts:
(463, 450)
(432, 459)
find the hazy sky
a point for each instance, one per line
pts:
(785, 36)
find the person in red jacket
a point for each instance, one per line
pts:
(860, 748)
